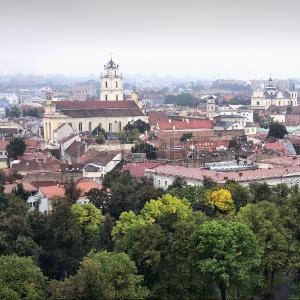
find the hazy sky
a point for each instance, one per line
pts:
(225, 38)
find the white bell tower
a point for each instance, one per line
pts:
(111, 85)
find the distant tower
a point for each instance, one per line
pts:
(210, 107)
(111, 85)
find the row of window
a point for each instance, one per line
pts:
(166, 183)
(90, 126)
(106, 84)
(106, 97)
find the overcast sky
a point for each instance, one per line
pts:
(224, 38)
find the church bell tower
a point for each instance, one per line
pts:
(111, 85)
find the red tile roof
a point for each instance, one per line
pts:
(53, 191)
(192, 124)
(157, 116)
(85, 186)
(138, 169)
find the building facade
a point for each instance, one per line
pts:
(270, 95)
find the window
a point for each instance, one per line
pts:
(158, 182)
(80, 126)
(106, 84)
(116, 84)
(49, 137)
(90, 126)
(166, 182)
(70, 124)
(110, 127)
(257, 103)
(120, 126)
(117, 97)
(106, 97)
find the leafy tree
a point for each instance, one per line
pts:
(139, 124)
(102, 275)
(265, 220)
(159, 240)
(265, 121)
(259, 191)
(144, 148)
(19, 191)
(71, 191)
(209, 183)
(61, 256)
(239, 193)
(277, 130)
(12, 112)
(186, 136)
(100, 139)
(229, 255)
(21, 279)
(196, 195)
(99, 131)
(233, 144)
(221, 200)
(178, 182)
(16, 148)
(129, 136)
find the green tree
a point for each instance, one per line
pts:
(239, 193)
(266, 222)
(99, 131)
(277, 130)
(139, 124)
(71, 191)
(183, 99)
(144, 148)
(61, 256)
(102, 275)
(228, 254)
(100, 139)
(16, 148)
(159, 240)
(186, 136)
(129, 136)
(21, 278)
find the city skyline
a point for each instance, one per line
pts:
(236, 39)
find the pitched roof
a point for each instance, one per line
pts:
(76, 149)
(86, 185)
(101, 158)
(53, 191)
(191, 124)
(84, 109)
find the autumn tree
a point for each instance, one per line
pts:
(221, 200)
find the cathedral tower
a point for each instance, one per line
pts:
(111, 85)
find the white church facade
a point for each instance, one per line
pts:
(270, 95)
(111, 111)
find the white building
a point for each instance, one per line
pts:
(270, 95)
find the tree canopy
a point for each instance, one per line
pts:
(277, 130)
(16, 147)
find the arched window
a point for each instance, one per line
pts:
(106, 97)
(90, 126)
(117, 97)
(80, 126)
(106, 84)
